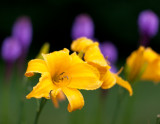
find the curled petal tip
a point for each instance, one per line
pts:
(29, 74)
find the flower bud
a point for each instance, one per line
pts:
(82, 27)
(22, 30)
(11, 49)
(44, 50)
(148, 23)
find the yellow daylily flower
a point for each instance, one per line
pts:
(144, 63)
(63, 72)
(44, 50)
(94, 57)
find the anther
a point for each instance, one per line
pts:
(61, 73)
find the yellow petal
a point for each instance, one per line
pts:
(44, 50)
(83, 75)
(134, 55)
(57, 95)
(109, 80)
(74, 97)
(81, 44)
(54, 98)
(76, 59)
(43, 88)
(124, 84)
(57, 61)
(152, 72)
(94, 57)
(61, 96)
(36, 65)
(55, 102)
(134, 63)
(150, 55)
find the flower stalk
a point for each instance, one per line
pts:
(39, 110)
(120, 98)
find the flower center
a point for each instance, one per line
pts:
(61, 79)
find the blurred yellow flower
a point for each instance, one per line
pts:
(143, 64)
(63, 72)
(94, 57)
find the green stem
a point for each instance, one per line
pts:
(129, 110)
(43, 101)
(23, 89)
(100, 111)
(120, 98)
(81, 54)
(5, 106)
(129, 107)
(101, 106)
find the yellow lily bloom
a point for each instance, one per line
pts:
(144, 63)
(44, 50)
(63, 72)
(94, 57)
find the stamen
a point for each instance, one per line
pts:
(60, 77)
(62, 73)
(64, 78)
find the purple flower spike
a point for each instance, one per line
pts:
(82, 27)
(22, 30)
(148, 23)
(109, 50)
(113, 68)
(11, 49)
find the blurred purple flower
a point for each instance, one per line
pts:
(82, 26)
(113, 68)
(148, 23)
(11, 49)
(22, 30)
(109, 50)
